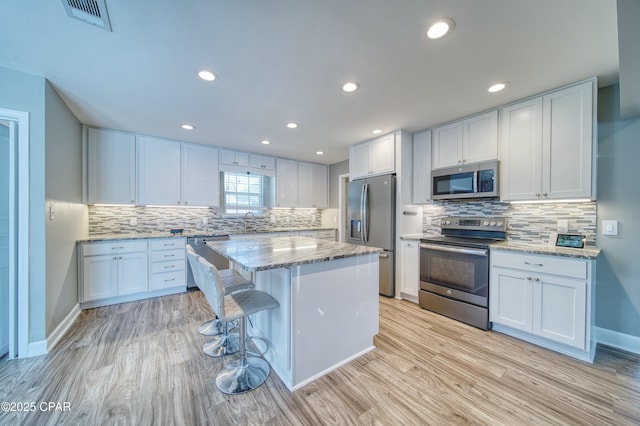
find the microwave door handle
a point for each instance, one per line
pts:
(475, 182)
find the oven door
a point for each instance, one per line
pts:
(456, 272)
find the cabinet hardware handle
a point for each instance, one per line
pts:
(116, 248)
(115, 257)
(536, 279)
(120, 258)
(538, 195)
(544, 194)
(169, 255)
(529, 278)
(172, 279)
(538, 265)
(169, 267)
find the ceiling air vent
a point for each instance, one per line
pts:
(92, 11)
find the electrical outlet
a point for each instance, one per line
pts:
(52, 212)
(133, 221)
(272, 219)
(205, 220)
(563, 225)
(609, 227)
(428, 220)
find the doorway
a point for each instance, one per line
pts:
(14, 233)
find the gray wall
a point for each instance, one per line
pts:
(25, 92)
(618, 269)
(336, 170)
(63, 133)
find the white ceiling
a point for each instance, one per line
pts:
(285, 60)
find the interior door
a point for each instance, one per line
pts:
(4, 237)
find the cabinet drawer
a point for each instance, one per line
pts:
(168, 279)
(164, 255)
(113, 247)
(555, 265)
(167, 243)
(169, 266)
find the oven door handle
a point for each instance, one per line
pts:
(461, 250)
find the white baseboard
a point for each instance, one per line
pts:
(63, 327)
(626, 342)
(37, 348)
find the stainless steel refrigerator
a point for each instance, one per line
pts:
(371, 222)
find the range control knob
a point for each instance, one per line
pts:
(447, 222)
(500, 224)
(486, 223)
(492, 224)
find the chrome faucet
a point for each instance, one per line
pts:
(246, 219)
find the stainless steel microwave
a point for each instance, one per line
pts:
(475, 180)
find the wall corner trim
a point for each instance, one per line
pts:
(623, 341)
(63, 327)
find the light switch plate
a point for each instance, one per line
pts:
(609, 227)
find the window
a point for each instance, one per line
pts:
(244, 192)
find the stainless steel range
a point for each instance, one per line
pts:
(454, 268)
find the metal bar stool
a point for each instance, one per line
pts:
(247, 372)
(222, 343)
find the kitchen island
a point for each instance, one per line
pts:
(328, 295)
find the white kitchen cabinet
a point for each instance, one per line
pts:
(111, 167)
(233, 161)
(111, 269)
(312, 185)
(548, 145)
(200, 176)
(286, 183)
(422, 167)
(167, 263)
(373, 157)
(159, 171)
(547, 300)
(471, 140)
(262, 164)
(409, 270)
(325, 234)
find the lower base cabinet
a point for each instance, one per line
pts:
(409, 270)
(547, 300)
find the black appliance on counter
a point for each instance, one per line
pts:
(454, 268)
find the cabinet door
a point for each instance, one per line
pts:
(422, 167)
(320, 186)
(359, 160)
(99, 277)
(568, 142)
(383, 155)
(511, 299)
(480, 138)
(200, 176)
(286, 183)
(521, 156)
(262, 162)
(305, 184)
(234, 158)
(410, 271)
(559, 311)
(447, 145)
(159, 171)
(111, 167)
(132, 273)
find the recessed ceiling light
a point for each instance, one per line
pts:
(319, 152)
(497, 87)
(292, 125)
(188, 127)
(207, 75)
(440, 27)
(265, 142)
(376, 131)
(350, 86)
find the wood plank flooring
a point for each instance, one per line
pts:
(141, 363)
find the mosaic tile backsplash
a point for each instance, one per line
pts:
(526, 223)
(107, 220)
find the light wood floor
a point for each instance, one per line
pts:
(141, 363)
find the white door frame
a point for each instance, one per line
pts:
(18, 231)
(342, 206)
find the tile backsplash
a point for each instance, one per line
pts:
(107, 220)
(526, 223)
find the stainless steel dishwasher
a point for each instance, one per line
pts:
(199, 245)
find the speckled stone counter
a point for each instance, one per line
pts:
(586, 253)
(284, 252)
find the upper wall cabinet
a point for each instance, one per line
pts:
(286, 183)
(262, 164)
(466, 141)
(200, 176)
(548, 145)
(374, 157)
(312, 185)
(422, 167)
(159, 177)
(110, 167)
(231, 161)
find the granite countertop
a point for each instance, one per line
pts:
(283, 252)
(201, 234)
(589, 252)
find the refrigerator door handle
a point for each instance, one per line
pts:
(475, 182)
(365, 208)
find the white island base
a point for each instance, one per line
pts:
(328, 316)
